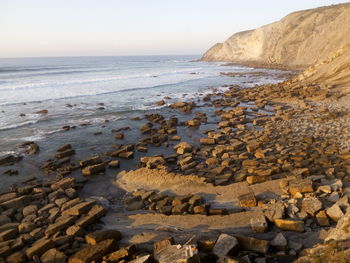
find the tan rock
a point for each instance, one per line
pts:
(94, 253)
(290, 225)
(98, 236)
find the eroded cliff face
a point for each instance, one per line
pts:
(333, 71)
(297, 41)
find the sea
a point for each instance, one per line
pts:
(93, 95)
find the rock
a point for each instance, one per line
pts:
(63, 154)
(94, 253)
(8, 234)
(119, 136)
(335, 213)
(247, 200)
(153, 162)
(95, 213)
(135, 205)
(26, 227)
(33, 148)
(279, 241)
(114, 164)
(256, 179)
(258, 224)
(30, 209)
(207, 141)
(41, 112)
(75, 231)
(98, 236)
(253, 244)
(183, 147)
(230, 260)
(322, 218)
(126, 155)
(178, 254)
(120, 254)
(161, 244)
(17, 257)
(93, 160)
(9, 159)
(39, 248)
(142, 259)
(225, 245)
(311, 205)
(16, 203)
(60, 224)
(93, 169)
(79, 209)
(290, 225)
(300, 186)
(342, 230)
(274, 211)
(53, 256)
(64, 148)
(64, 183)
(179, 209)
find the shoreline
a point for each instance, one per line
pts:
(263, 155)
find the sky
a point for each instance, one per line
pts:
(40, 28)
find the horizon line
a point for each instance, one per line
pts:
(77, 56)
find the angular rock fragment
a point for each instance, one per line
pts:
(98, 236)
(225, 245)
(94, 253)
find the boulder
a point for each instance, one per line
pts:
(225, 245)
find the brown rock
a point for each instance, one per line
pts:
(94, 253)
(98, 236)
(253, 244)
(64, 183)
(60, 224)
(311, 205)
(247, 200)
(79, 209)
(95, 213)
(322, 218)
(53, 256)
(93, 160)
(93, 169)
(39, 248)
(178, 253)
(161, 244)
(290, 225)
(66, 153)
(301, 186)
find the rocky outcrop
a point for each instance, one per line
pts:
(298, 40)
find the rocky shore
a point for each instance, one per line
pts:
(259, 177)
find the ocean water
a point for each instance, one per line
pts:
(73, 90)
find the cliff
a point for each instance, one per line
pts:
(296, 41)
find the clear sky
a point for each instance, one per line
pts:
(131, 27)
